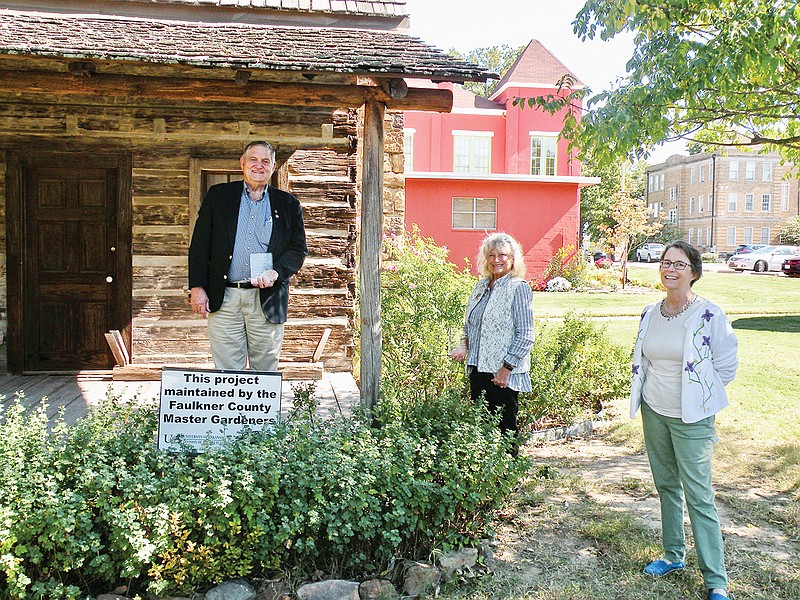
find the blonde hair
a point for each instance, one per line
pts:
(499, 241)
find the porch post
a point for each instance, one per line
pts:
(369, 271)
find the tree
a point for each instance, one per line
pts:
(790, 232)
(718, 72)
(631, 218)
(495, 58)
(597, 200)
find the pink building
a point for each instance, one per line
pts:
(491, 166)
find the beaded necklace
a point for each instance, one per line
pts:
(669, 315)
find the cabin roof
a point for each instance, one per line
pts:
(233, 45)
(362, 7)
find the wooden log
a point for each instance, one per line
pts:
(227, 92)
(292, 371)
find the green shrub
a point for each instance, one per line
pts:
(422, 311)
(86, 508)
(575, 371)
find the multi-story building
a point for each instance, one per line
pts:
(721, 200)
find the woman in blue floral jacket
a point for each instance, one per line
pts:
(685, 355)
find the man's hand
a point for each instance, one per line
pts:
(501, 377)
(459, 353)
(266, 279)
(199, 301)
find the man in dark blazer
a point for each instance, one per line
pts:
(249, 239)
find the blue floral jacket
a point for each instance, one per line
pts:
(709, 357)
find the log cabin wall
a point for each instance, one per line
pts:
(170, 146)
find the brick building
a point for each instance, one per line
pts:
(721, 200)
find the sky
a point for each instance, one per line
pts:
(468, 24)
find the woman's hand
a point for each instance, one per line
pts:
(501, 377)
(459, 353)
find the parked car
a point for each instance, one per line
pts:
(649, 252)
(743, 249)
(768, 258)
(791, 266)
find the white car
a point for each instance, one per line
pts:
(649, 252)
(768, 258)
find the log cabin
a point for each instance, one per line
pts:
(115, 118)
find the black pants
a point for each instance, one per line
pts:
(496, 398)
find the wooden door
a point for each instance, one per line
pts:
(75, 263)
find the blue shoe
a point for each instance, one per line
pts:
(716, 596)
(660, 567)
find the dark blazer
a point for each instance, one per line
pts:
(211, 250)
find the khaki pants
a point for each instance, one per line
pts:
(239, 333)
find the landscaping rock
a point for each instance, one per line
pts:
(420, 579)
(332, 589)
(377, 589)
(232, 590)
(456, 561)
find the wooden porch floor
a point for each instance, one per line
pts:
(337, 393)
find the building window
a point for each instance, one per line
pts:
(214, 177)
(733, 170)
(474, 213)
(708, 236)
(689, 235)
(731, 236)
(691, 205)
(710, 203)
(766, 202)
(472, 151)
(764, 235)
(543, 154)
(748, 204)
(408, 149)
(766, 171)
(651, 183)
(732, 200)
(750, 170)
(673, 194)
(748, 235)
(702, 173)
(701, 200)
(784, 195)
(673, 215)
(692, 173)
(661, 182)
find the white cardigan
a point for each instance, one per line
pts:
(709, 358)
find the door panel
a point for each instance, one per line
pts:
(70, 226)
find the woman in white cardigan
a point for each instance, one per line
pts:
(685, 355)
(498, 330)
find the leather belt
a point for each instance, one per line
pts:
(242, 285)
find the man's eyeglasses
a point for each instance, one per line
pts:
(679, 265)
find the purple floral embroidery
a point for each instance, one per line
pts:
(690, 366)
(707, 315)
(635, 369)
(706, 340)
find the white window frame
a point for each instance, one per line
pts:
(733, 200)
(472, 162)
(691, 205)
(750, 170)
(692, 174)
(748, 235)
(733, 170)
(708, 236)
(548, 141)
(689, 235)
(731, 236)
(765, 235)
(766, 171)
(749, 205)
(701, 202)
(673, 215)
(408, 150)
(702, 173)
(766, 202)
(474, 212)
(661, 182)
(784, 195)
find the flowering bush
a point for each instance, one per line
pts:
(558, 284)
(603, 263)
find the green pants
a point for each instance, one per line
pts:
(680, 460)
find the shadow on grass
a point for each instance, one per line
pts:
(778, 324)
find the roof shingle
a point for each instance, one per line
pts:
(238, 46)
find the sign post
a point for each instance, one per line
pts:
(200, 406)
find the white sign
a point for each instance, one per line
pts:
(209, 406)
